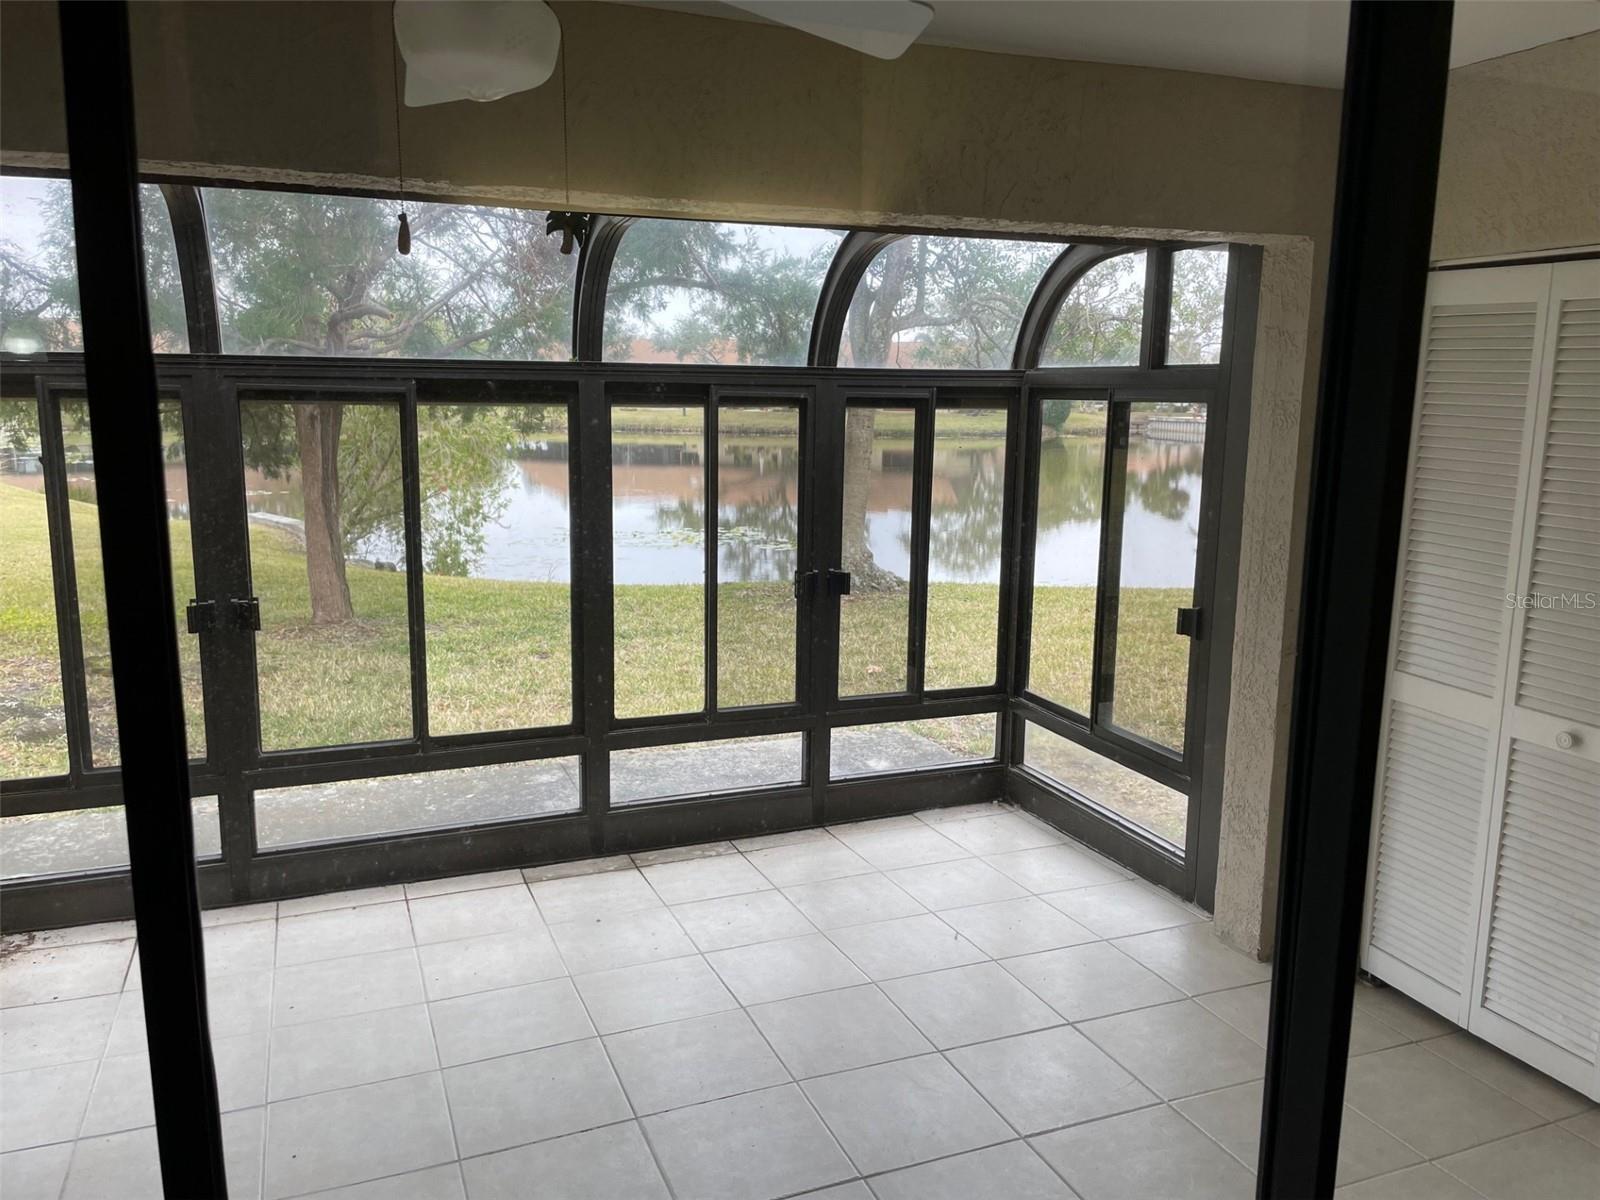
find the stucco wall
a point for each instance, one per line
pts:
(667, 112)
(1519, 168)
(676, 114)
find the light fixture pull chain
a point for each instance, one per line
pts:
(403, 241)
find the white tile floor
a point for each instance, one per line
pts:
(953, 1005)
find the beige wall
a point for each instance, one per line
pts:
(1520, 166)
(669, 113)
(674, 113)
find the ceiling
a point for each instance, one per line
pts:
(1288, 41)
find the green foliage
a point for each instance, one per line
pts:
(303, 273)
(704, 291)
(39, 269)
(1199, 287)
(1099, 321)
(1054, 412)
(930, 301)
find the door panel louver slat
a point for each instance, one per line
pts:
(1468, 457)
(1559, 662)
(1545, 881)
(1425, 878)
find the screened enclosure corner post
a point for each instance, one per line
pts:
(1397, 62)
(1241, 306)
(119, 363)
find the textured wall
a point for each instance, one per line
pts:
(1268, 608)
(667, 112)
(1520, 164)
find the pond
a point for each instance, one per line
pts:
(658, 505)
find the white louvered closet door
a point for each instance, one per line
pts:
(1477, 387)
(1537, 972)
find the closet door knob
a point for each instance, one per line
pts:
(1567, 740)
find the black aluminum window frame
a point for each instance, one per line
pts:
(208, 383)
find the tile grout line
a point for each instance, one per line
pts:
(266, 1082)
(800, 1088)
(433, 1041)
(616, 1076)
(741, 1006)
(94, 1080)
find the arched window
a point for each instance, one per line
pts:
(1099, 321)
(714, 292)
(307, 273)
(953, 302)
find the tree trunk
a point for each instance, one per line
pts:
(856, 550)
(317, 431)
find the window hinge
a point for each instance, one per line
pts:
(838, 583)
(246, 612)
(201, 615)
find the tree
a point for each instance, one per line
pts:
(712, 292)
(1054, 412)
(301, 273)
(944, 302)
(1199, 285)
(39, 269)
(1101, 319)
(305, 273)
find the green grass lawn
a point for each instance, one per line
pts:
(499, 653)
(982, 422)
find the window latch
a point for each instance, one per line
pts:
(201, 615)
(805, 583)
(246, 612)
(1189, 622)
(838, 583)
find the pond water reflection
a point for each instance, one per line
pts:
(658, 503)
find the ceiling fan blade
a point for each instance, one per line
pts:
(474, 49)
(881, 28)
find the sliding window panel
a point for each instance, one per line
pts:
(33, 712)
(965, 547)
(889, 746)
(496, 513)
(1153, 806)
(757, 548)
(658, 558)
(700, 768)
(1156, 463)
(325, 493)
(876, 549)
(350, 809)
(41, 845)
(83, 522)
(1066, 551)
